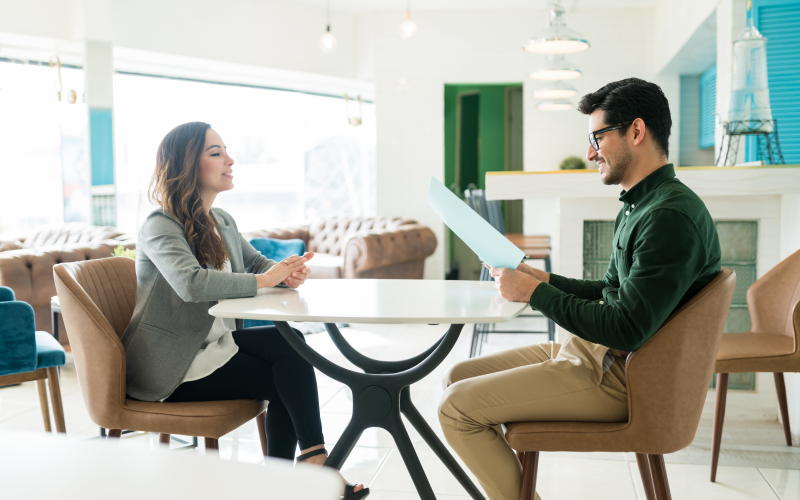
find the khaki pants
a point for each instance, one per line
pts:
(544, 382)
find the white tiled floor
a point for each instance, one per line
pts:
(754, 463)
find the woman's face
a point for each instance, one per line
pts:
(216, 174)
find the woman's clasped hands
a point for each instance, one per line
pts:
(292, 271)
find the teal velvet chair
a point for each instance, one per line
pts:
(276, 250)
(27, 355)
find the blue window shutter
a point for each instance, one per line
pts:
(779, 22)
(708, 106)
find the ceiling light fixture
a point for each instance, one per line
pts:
(556, 38)
(407, 27)
(555, 68)
(327, 42)
(554, 105)
(555, 90)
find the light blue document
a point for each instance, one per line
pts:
(486, 241)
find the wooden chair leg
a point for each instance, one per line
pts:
(113, 434)
(261, 423)
(55, 397)
(659, 472)
(647, 476)
(530, 466)
(163, 439)
(40, 384)
(780, 386)
(212, 444)
(719, 418)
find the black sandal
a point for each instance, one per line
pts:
(349, 494)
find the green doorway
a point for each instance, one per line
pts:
(483, 133)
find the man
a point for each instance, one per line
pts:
(665, 250)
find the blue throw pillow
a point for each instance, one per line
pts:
(276, 250)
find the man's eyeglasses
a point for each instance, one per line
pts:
(593, 135)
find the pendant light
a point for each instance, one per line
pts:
(327, 42)
(407, 27)
(555, 68)
(556, 38)
(554, 105)
(555, 90)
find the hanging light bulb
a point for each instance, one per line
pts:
(555, 68)
(555, 90)
(556, 38)
(407, 27)
(327, 42)
(353, 108)
(554, 105)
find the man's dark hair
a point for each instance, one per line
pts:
(626, 100)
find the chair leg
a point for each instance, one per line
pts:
(780, 386)
(212, 444)
(163, 439)
(719, 418)
(55, 397)
(261, 423)
(113, 434)
(530, 466)
(40, 384)
(646, 475)
(660, 481)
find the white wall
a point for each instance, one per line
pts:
(485, 47)
(266, 33)
(674, 24)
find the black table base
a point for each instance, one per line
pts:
(380, 395)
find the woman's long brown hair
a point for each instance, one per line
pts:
(175, 187)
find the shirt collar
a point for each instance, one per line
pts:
(648, 184)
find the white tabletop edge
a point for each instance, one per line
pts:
(218, 312)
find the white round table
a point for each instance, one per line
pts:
(381, 393)
(38, 466)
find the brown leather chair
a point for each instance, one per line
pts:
(668, 381)
(770, 345)
(97, 299)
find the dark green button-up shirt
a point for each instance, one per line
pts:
(665, 250)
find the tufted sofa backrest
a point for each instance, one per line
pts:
(329, 235)
(68, 234)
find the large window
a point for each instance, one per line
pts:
(35, 159)
(296, 156)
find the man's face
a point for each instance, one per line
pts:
(613, 156)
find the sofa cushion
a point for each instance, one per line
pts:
(278, 250)
(48, 351)
(325, 266)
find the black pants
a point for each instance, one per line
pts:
(266, 367)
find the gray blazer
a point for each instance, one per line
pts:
(171, 320)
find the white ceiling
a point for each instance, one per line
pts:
(357, 6)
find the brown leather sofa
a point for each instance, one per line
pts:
(26, 264)
(376, 247)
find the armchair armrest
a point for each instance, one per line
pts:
(10, 245)
(17, 338)
(366, 251)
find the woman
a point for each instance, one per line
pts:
(189, 256)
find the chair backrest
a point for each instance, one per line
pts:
(774, 296)
(97, 299)
(668, 376)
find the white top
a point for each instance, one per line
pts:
(99, 472)
(217, 349)
(377, 301)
